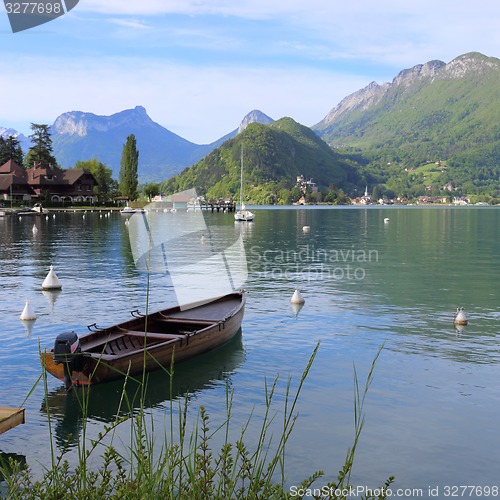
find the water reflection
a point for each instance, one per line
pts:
(51, 296)
(430, 261)
(109, 401)
(296, 308)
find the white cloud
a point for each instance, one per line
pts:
(130, 23)
(292, 57)
(200, 104)
(389, 31)
(247, 8)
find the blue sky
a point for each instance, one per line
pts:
(198, 67)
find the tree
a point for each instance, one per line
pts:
(42, 146)
(10, 149)
(103, 175)
(128, 169)
(151, 190)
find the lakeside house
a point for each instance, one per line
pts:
(366, 199)
(46, 181)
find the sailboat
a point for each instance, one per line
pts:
(243, 215)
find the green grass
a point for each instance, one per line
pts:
(431, 173)
(187, 466)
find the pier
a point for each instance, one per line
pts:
(229, 206)
(182, 204)
(10, 417)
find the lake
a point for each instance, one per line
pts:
(432, 409)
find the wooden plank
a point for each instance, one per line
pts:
(155, 336)
(10, 417)
(187, 321)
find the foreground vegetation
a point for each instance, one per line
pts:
(187, 467)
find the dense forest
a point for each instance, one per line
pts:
(273, 157)
(433, 114)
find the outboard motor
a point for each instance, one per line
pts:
(66, 350)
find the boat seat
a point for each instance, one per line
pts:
(100, 342)
(151, 335)
(193, 321)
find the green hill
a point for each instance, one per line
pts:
(273, 156)
(395, 138)
(431, 112)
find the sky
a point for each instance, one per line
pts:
(198, 67)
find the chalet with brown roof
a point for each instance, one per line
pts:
(42, 180)
(13, 182)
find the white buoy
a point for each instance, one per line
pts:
(460, 317)
(34, 229)
(386, 219)
(297, 298)
(306, 229)
(28, 314)
(51, 282)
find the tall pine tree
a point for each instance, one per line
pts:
(42, 146)
(128, 169)
(10, 149)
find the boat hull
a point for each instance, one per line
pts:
(151, 342)
(244, 216)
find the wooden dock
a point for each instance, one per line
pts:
(225, 206)
(10, 417)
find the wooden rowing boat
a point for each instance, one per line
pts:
(145, 342)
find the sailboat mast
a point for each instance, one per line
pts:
(241, 178)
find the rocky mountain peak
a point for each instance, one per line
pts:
(426, 71)
(361, 99)
(8, 132)
(409, 80)
(472, 62)
(254, 116)
(23, 140)
(81, 123)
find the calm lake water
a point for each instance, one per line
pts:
(432, 409)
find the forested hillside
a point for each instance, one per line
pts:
(429, 113)
(273, 156)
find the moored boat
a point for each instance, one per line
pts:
(131, 211)
(36, 210)
(145, 342)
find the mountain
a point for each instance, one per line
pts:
(23, 140)
(78, 135)
(274, 156)
(254, 116)
(435, 114)
(82, 136)
(431, 111)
